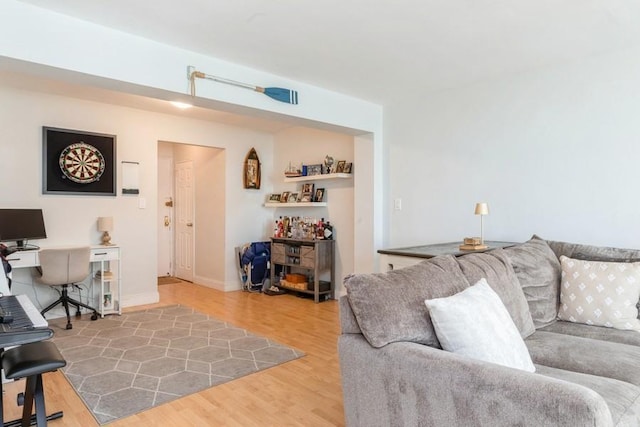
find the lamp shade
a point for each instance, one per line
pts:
(105, 223)
(482, 209)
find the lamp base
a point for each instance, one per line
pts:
(106, 239)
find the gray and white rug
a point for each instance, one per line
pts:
(121, 365)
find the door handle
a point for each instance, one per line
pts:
(189, 224)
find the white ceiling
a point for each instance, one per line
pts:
(378, 50)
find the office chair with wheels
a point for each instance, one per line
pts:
(65, 267)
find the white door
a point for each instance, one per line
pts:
(165, 216)
(184, 218)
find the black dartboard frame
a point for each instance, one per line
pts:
(78, 162)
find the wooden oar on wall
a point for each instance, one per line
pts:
(279, 94)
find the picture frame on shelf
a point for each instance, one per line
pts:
(314, 170)
(340, 166)
(275, 197)
(107, 301)
(319, 196)
(348, 167)
(307, 188)
(293, 197)
(284, 197)
(306, 197)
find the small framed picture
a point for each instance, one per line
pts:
(319, 195)
(306, 197)
(307, 188)
(274, 197)
(348, 167)
(284, 197)
(340, 166)
(314, 170)
(107, 301)
(293, 198)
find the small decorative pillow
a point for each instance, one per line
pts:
(475, 323)
(600, 293)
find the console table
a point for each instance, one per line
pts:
(391, 259)
(103, 258)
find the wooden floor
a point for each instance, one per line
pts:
(304, 392)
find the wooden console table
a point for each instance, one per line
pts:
(403, 257)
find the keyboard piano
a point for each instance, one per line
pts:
(27, 326)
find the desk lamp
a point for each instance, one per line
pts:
(482, 209)
(105, 224)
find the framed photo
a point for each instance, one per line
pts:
(274, 197)
(293, 198)
(284, 197)
(319, 195)
(306, 197)
(107, 302)
(348, 167)
(340, 166)
(78, 162)
(307, 188)
(314, 170)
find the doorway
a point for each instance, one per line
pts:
(191, 210)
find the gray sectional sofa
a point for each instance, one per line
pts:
(395, 373)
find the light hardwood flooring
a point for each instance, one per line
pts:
(303, 392)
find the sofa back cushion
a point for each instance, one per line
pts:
(595, 253)
(538, 270)
(496, 268)
(389, 307)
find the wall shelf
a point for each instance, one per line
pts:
(295, 205)
(318, 177)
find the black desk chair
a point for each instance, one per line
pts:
(65, 267)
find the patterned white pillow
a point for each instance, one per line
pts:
(476, 324)
(600, 293)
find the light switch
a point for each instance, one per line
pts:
(397, 204)
(142, 203)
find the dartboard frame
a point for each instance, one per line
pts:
(78, 163)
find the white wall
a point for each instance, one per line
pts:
(309, 146)
(553, 152)
(72, 219)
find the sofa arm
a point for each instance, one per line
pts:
(407, 384)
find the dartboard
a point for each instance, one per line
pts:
(82, 163)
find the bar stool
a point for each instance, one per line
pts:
(30, 361)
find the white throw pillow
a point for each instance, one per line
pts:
(475, 323)
(600, 293)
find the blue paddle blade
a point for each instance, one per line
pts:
(282, 95)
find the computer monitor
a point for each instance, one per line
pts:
(21, 225)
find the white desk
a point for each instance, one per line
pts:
(103, 258)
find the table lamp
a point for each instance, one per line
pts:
(105, 224)
(482, 209)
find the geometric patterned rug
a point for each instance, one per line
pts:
(121, 365)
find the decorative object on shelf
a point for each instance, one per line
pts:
(475, 243)
(292, 172)
(306, 197)
(340, 166)
(284, 197)
(287, 96)
(293, 198)
(314, 170)
(348, 167)
(107, 302)
(328, 164)
(274, 197)
(319, 195)
(78, 162)
(252, 170)
(105, 224)
(307, 188)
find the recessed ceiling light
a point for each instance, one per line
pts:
(181, 105)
